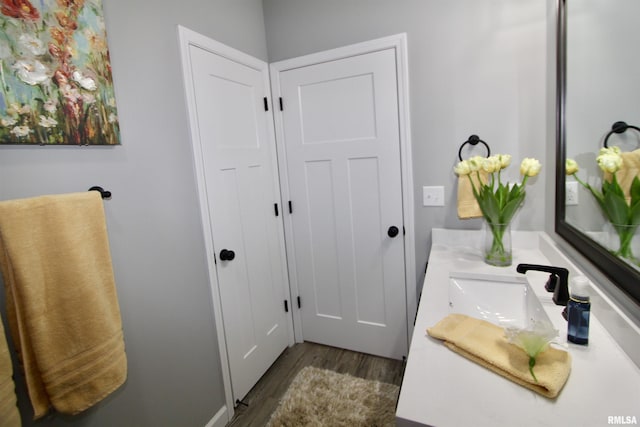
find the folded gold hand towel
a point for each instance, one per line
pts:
(62, 305)
(467, 203)
(9, 415)
(486, 344)
(629, 170)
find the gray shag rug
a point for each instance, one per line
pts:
(318, 398)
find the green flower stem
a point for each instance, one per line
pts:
(4, 84)
(532, 363)
(584, 184)
(498, 254)
(497, 245)
(626, 231)
(625, 234)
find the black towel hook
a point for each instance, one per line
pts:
(618, 127)
(103, 193)
(473, 140)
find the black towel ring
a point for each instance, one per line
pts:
(618, 127)
(473, 140)
(103, 193)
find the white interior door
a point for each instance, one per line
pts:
(236, 144)
(340, 133)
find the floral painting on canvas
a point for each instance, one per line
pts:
(55, 73)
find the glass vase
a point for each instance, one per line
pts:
(497, 244)
(622, 240)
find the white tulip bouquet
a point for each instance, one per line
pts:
(621, 211)
(498, 201)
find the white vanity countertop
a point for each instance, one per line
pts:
(441, 388)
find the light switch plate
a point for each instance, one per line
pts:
(433, 196)
(571, 193)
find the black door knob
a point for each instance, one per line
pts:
(227, 255)
(393, 231)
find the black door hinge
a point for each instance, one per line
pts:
(281, 108)
(266, 104)
(275, 209)
(286, 306)
(290, 207)
(299, 302)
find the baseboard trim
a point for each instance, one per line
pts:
(220, 419)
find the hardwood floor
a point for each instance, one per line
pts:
(264, 397)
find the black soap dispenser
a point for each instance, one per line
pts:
(578, 309)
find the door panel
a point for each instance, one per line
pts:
(241, 189)
(341, 135)
(345, 103)
(323, 248)
(366, 220)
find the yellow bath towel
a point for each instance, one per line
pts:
(9, 415)
(467, 203)
(629, 170)
(486, 344)
(62, 305)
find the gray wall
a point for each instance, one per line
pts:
(475, 67)
(153, 218)
(550, 173)
(602, 89)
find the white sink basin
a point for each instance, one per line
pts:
(507, 301)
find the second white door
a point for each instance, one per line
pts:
(340, 133)
(240, 179)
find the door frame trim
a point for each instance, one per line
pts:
(187, 38)
(399, 43)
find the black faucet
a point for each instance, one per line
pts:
(558, 282)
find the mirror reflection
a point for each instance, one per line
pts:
(602, 124)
